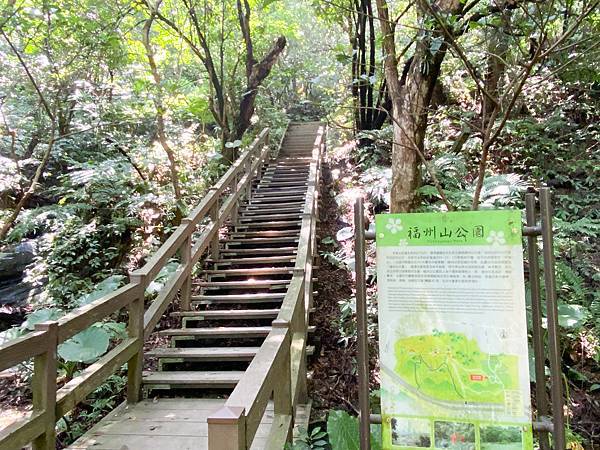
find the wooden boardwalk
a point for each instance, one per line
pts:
(161, 424)
(235, 299)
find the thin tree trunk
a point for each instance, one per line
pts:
(32, 187)
(158, 103)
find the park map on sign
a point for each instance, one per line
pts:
(450, 367)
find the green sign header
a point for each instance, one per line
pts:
(498, 227)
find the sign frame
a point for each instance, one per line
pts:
(532, 231)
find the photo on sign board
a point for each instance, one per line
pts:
(411, 432)
(454, 435)
(499, 437)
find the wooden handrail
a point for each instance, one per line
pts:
(282, 354)
(50, 404)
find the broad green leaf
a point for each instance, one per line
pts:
(343, 431)
(103, 288)
(572, 316)
(41, 315)
(86, 346)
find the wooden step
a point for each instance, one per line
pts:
(260, 251)
(293, 185)
(263, 205)
(259, 240)
(250, 271)
(247, 284)
(268, 209)
(274, 224)
(191, 379)
(274, 215)
(276, 196)
(265, 233)
(218, 332)
(228, 314)
(204, 353)
(268, 297)
(251, 260)
(285, 175)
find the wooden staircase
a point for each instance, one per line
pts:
(243, 284)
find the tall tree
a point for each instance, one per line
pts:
(232, 108)
(160, 110)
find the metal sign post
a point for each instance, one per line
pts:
(545, 422)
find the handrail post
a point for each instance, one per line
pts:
(227, 429)
(43, 386)
(282, 392)
(214, 243)
(135, 329)
(186, 261)
(233, 189)
(247, 166)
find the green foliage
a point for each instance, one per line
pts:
(98, 404)
(86, 346)
(343, 432)
(315, 439)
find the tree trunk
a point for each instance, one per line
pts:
(32, 187)
(257, 75)
(160, 120)
(410, 103)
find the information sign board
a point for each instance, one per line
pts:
(453, 331)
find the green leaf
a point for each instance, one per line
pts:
(376, 437)
(572, 316)
(41, 315)
(86, 346)
(103, 288)
(343, 431)
(233, 144)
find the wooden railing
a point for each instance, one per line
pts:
(278, 370)
(198, 233)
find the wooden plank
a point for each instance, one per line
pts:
(192, 379)
(252, 260)
(260, 240)
(239, 298)
(302, 418)
(250, 271)
(246, 217)
(256, 251)
(22, 432)
(218, 332)
(269, 225)
(229, 314)
(205, 353)
(246, 284)
(280, 433)
(251, 212)
(21, 349)
(255, 388)
(160, 304)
